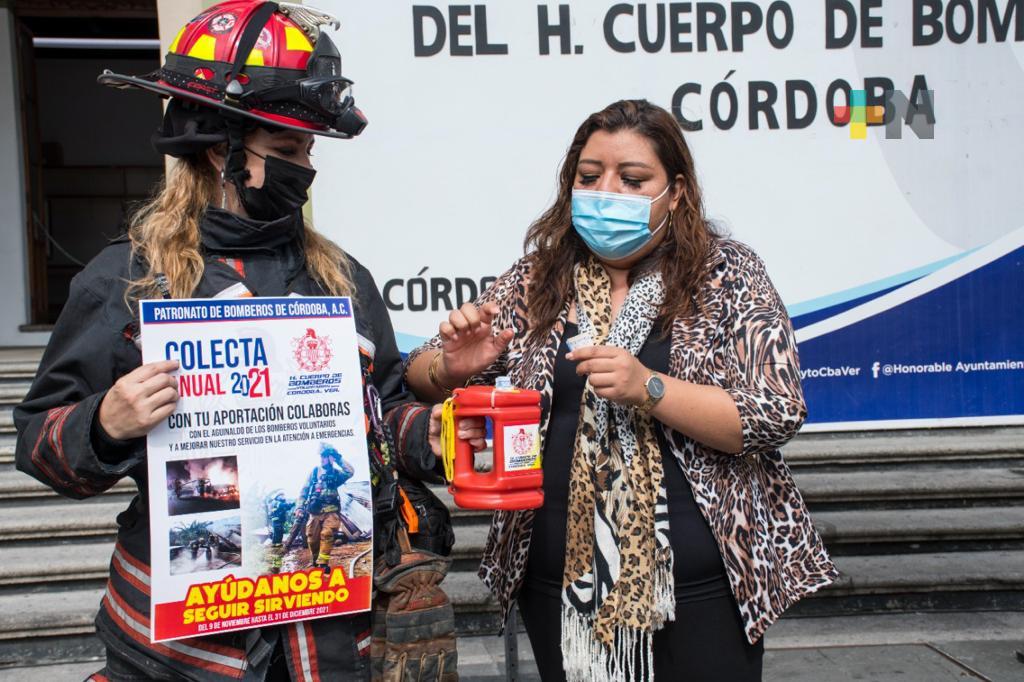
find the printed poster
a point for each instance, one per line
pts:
(259, 482)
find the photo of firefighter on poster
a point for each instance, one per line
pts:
(311, 507)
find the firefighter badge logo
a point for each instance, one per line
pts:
(522, 443)
(264, 41)
(312, 353)
(222, 23)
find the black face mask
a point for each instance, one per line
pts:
(284, 191)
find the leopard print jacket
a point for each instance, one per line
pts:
(741, 341)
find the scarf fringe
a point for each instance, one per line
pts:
(586, 659)
(664, 594)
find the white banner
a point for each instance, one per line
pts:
(472, 107)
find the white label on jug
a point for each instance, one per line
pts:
(522, 447)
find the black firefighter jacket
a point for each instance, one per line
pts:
(58, 443)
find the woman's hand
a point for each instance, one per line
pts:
(469, 344)
(613, 372)
(139, 400)
(472, 429)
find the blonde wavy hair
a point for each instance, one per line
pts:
(164, 234)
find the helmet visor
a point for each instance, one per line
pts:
(325, 62)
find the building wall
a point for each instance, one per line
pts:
(14, 300)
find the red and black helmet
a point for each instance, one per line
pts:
(270, 63)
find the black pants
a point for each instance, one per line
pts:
(705, 643)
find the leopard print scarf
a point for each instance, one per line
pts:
(617, 588)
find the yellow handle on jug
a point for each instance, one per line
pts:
(448, 439)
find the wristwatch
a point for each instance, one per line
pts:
(655, 392)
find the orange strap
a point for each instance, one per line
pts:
(412, 520)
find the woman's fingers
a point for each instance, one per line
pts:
(598, 366)
(435, 419)
(165, 396)
(143, 373)
(602, 381)
(459, 321)
(471, 314)
(488, 311)
(447, 332)
(434, 430)
(155, 384)
(502, 340)
(160, 414)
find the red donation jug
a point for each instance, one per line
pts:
(515, 481)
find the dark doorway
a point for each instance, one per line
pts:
(88, 158)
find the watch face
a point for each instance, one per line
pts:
(655, 387)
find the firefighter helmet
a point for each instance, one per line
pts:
(264, 62)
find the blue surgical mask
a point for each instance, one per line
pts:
(614, 226)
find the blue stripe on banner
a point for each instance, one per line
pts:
(818, 315)
(866, 292)
(954, 351)
(407, 343)
(239, 310)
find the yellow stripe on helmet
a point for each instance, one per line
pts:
(177, 39)
(204, 48)
(296, 40)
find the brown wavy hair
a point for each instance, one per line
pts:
(553, 247)
(164, 234)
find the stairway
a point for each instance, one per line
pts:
(916, 521)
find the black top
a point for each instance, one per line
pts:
(699, 572)
(272, 251)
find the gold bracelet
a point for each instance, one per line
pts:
(432, 374)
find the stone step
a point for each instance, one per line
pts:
(941, 572)
(7, 420)
(15, 485)
(481, 657)
(7, 445)
(940, 576)
(19, 363)
(911, 485)
(892, 526)
(13, 392)
(50, 671)
(30, 614)
(887, 526)
(890, 447)
(43, 523)
(883, 648)
(55, 519)
(53, 563)
(894, 628)
(27, 616)
(88, 560)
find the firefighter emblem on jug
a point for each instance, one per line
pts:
(522, 443)
(312, 353)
